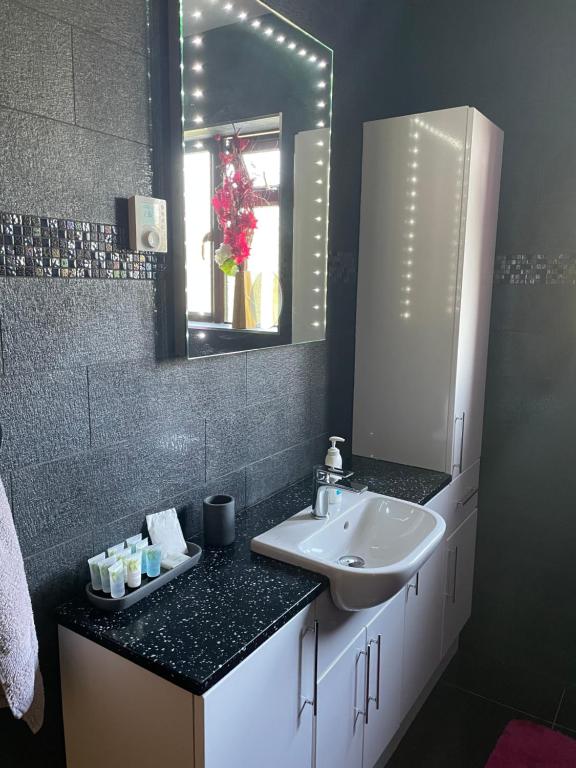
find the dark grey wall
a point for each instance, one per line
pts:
(515, 60)
(95, 432)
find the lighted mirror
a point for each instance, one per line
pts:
(256, 111)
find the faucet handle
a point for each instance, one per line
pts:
(323, 471)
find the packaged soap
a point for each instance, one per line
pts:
(132, 541)
(171, 561)
(134, 565)
(116, 576)
(104, 575)
(94, 565)
(141, 547)
(115, 549)
(153, 560)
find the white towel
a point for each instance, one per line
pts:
(21, 686)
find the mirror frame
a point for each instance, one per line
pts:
(166, 86)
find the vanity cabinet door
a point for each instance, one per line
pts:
(460, 550)
(385, 639)
(257, 716)
(341, 709)
(422, 627)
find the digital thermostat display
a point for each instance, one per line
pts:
(147, 219)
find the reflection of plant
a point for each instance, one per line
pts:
(233, 204)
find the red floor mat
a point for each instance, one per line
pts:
(527, 745)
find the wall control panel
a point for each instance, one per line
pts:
(147, 224)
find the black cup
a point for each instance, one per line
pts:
(219, 516)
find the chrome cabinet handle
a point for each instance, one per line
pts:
(461, 459)
(378, 657)
(314, 701)
(367, 692)
(469, 496)
(416, 586)
(316, 637)
(455, 575)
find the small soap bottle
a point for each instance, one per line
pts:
(333, 460)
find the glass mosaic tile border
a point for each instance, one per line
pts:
(38, 246)
(536, 269)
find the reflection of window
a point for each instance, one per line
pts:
(210, 295)
(198, 211)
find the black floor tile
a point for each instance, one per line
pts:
(454, 729)
(528, 691)
(566, 717)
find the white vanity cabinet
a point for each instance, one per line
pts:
(341, 708)
(460, 549)
(422, 627)
(261, 713)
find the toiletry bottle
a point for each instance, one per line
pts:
(334, 460)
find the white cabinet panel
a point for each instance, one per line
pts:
(422, 627)
(457, 500)
(478, 237)
(257, 716)
(460, 550)
(385, 636)
(430, 189)
(341, 709)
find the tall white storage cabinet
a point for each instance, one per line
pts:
(430, 191)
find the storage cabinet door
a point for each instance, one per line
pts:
(422, 627)
(257, 716)
(342, 709)
(460, 549)
(385, 636)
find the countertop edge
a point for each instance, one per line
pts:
(184, 681)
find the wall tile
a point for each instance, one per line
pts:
(60, 324)
(43, 418)
(59, 500)
(32, 78)
(544, 309)
(188, 505)
(56, 574)
(111, 88)
(124, 22)
(123, 398)
(276, 371)
(54, 169)
(250, 434)
(269, 475)
(319, 412)
(279, 370)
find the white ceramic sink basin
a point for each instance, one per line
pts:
(391, 538)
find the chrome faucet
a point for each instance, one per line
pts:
(326, 478)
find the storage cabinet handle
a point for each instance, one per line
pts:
(461, 458)
(455, 575)
(367, 698)
(316, 637)
(378, 656)
(469, 496)
(416, 585)
(314, 700)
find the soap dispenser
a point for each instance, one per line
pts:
(334, 457)
(333, 460)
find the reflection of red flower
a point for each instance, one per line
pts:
(235, 199)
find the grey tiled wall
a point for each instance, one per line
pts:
(95, 432)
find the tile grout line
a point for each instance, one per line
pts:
(86, 30)
(559, 707)
(498, 703)
(74, 125)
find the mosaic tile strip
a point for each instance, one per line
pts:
(37, 246)
(536, 269)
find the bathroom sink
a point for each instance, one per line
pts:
(369, 549)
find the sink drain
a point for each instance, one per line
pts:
(352, 561)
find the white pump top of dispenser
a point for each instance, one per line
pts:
(333, 457)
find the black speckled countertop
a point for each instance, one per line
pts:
(196, 629)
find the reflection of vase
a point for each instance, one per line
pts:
(243, 314)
